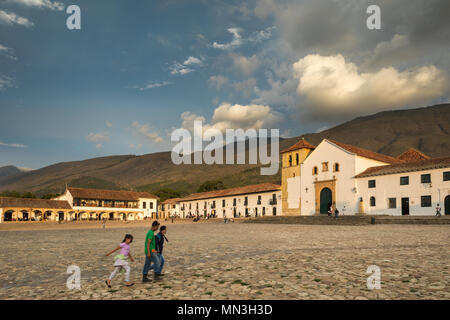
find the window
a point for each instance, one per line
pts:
(372, 202)
(372, 184)
(296, 158)
(223, 203)
(404, 181)
(324, 166)
(315, 170)
(144, 205)
(151, 205)
(392, 203)
(259, 200)
(290, 160)
(425, 178)
(425, 201)
(336, 167)
(446, 176)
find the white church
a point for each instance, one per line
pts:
(359, 181)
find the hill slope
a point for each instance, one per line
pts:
(391, 133)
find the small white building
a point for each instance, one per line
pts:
(249, 201)
(170, 208)
(411, 188)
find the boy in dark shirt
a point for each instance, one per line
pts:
(159, 239)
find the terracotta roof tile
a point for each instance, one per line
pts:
(302, 143)
(33, 203)
(256, 188)
(172, 201)
(366, 153)
(412, 155)
(109, 194)
(427, 164)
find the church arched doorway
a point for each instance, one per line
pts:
(326, 199)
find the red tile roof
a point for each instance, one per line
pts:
(412, 155)
(366, 153)
(301, 144)
(33, 203)
(256, 188)
(109, 194)
(427, 164)
(171, 201)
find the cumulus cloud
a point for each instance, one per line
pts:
(147, 132)
(217, 81)
(10, 19)
(246, 87)
(228, 116)
(41, 4)
(333, 87)
(192, 61)
(246, 65)
(238, 40)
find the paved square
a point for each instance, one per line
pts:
(234, 261)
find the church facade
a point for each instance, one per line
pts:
(359, 181)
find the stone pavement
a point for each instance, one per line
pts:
(235, 261)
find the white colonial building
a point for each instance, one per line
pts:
(360, 181)
(412, 188)
(170, 209)
(249, 201)
(109, 204)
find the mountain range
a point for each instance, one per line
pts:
(390, 132)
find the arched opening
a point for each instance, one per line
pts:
(123, 216)
(8, 215)
(25, 216)
(372, 202)
(447, 205)
(274, 211)
(336, 167)
(47, 215)
(326, 199)
(60, 216)
(37, 215)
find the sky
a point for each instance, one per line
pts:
(137, 70)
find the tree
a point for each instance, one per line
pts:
(166, 193)
(211, 185)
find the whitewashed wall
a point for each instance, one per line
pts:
(240, 207)
(388, 186)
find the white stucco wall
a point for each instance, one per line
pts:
(346, 188)
(388, 186)
(240, 207)
(148, 211)
(294, 186)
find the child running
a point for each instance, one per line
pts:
(121, 261)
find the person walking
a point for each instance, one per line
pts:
(438, 210)
(160, 238)
(151, 257)
(121, 262)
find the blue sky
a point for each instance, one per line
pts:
(139, 69)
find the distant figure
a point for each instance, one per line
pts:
(438, 210)
(336, 213)
(330, 209)
(104, 224)
(160, 238)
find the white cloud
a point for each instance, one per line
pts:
(152, 84)
(238, 40)
(228, 116)
(333, 87)
(247, 87)
(193, 60)
(7, 52)
(13, 145)
(42, 4)
(6, 82)
(187, 66)
(246, 65)
(10, 19)
(97, 137)
(108, 123)
(217, 81)
(147, 131)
